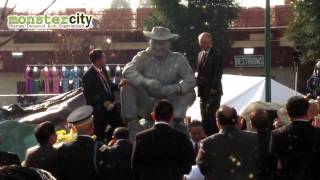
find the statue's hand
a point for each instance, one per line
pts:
(170, 89)
(152, 84)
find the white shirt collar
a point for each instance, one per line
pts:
(207, 51)
(85, 136)
(97, 69)
(161, 122)
(301, 120)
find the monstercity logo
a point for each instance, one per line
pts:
(78, 20)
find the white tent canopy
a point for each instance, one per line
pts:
(239, 91)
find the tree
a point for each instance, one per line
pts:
(145, 4)
(189, 18)
(120, 4)
(304, 28)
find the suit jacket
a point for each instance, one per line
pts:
(7, 159)
(121, 153)
(266, 163)
(43, 157)
(84, 159)
(213, 70)
(162, 153)
(296, 147)
(230, 154)
(95, 93)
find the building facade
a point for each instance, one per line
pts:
(119, 31)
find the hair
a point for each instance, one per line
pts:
(297, 106)
(195, 124)
(43, 131)
(24, 173)
(163, 110)
(205, 34)
(260, 119)
(95, 55)
(121, 133)
(225, 119)
(272, 115)
(309, 96)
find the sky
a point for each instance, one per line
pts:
(37, 5)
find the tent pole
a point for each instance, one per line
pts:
(296, 79)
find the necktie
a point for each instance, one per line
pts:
(196, 149)
(201, 65)
(105, 82)
(203, 59)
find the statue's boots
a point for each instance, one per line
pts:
(179, 125)
(134, 127)
(146, 123)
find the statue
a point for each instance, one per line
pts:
(313, 83)
(157, 73)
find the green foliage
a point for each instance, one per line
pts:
(304, 28)
(120, 4)
(191, 17)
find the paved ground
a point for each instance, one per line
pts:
(8, 85)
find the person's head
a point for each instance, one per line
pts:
(297, 107)
(241, 124)
(159, 48)
(163, 111)
(205, 41)
(308, 96)
(226, 117)
(85, 128)
(120, 133)
(81, 119)
(273, 118)
(317, 69)
(196, 131)
(45, 133)
(160, 40)
(97, 57)
(260, 120)
(313, 109)
(24, 173)
(318, 101)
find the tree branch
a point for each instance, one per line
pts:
(20, 30)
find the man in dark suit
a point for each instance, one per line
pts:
(196, 133)
(210, 70)
(84, 158)
(262, 124)
(162, 152)
(230, 154)
(98, 91)
(44, 155)
(121, 151)
(296, 146)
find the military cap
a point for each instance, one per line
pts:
(80, 114)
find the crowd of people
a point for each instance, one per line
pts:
(221, 146)
(266, 152)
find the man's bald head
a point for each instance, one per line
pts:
(205, 41)
(260, 119)
(226, 116)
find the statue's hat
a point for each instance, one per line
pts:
(160, 33)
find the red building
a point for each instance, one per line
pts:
(124, 28)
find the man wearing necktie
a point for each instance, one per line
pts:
(210, 70)
(98, 91)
